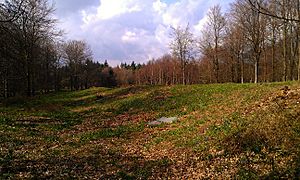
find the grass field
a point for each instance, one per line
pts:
(241, 131)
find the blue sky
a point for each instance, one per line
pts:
(126, 30)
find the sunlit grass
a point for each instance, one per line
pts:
(217, 123)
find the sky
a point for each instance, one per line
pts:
(130, 30)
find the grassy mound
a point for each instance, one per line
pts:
(242, 131)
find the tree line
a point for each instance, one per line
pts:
(35, 59)
(253, 41)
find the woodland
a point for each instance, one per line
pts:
(233, 93)
(252, 42)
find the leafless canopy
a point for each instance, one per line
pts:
(10, 11)
(258, 6)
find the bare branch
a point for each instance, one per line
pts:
(16, 14)
(256, 6)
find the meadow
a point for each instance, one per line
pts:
(224, 131)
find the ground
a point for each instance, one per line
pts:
(224, 131)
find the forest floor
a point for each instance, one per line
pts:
(224, 131)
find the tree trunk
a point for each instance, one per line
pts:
(292, 56)
(86, 82)
(298, 32)
(238, 69)
(152, 74)
(242, 71)
(28, 79)
(5, 88)
(232, 70)
(216, 60)
(284, 52)
(183, 72)
(273, 55)
(299, 59)
(33, 84)
(256, 71)
(173, 75)
(160, 77)
(266, 66)
(71, 82)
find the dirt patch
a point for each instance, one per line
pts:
(84, 109)
(50, 107)
(283, 98)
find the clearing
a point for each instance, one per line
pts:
(223, 131)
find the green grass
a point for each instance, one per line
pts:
(244, 131)
(118, 132)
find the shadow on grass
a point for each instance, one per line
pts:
(118, 132)
(133, 90)
(98, 164)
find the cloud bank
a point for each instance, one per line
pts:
(126, 30)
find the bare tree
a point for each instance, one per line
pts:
(260, 7)
(286, 8)
(27, 24)
(11, 10)
(216, 28)
(274, 31)
(254, 27)
(76, 53)
(182, 47)
(235, 44)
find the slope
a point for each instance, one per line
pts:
(242, 131)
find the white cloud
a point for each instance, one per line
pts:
(120, 30)
(161, 33)
(159, 6)
(86, 18)
(129, 37)
(111, 8)
(200, 25)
